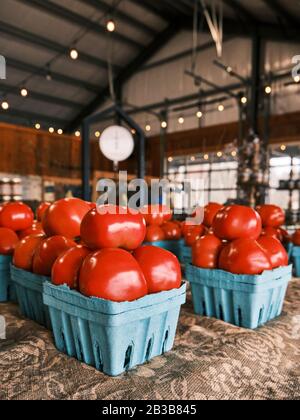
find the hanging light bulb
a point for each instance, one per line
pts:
(110, 25)
(199, 114)
(283, 147)
(37, 126)
(164, 124)
(234, 153)
(244, 100)
(24, 92)
(297, 79)
(229, 70)
(268, 90)
(77, 133)
(74, 54)
(97, 134)
(170, 159)
(48, 76)
(5, 105)
(181, 120)
(206, 156)
(221, 108)
(133, 131)
(148, 127)
(60, 131)
(193, 158)
(219, 154)
(51, 130)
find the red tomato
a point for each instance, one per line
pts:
(35, 229)
(64, 217)
(41, 210)
(67, 266)
(296, 238)
(271, 232)
(244, 256)
(112, 274)
(16, 216)
(194, 234)
(8, 241)
(48, 251)
(236, 222)
(160, 267)
(102, 229)
(154, 234)
(210, 211)
(172, 231)
(271, 216)
(275, 250)
(206, 251)
(25, 250)
(156, 214)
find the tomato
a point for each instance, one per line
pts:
(270, 231)
(154, 234)
(156, 214)
(64, 217)
(172, 231)
(275, 250)
(67, 267)
(41, 210)
(8, 241)
(271, 216)
(25, 250)
(16, 216)
(112, 274)
(206, 251)
(161, 268)
(296, 238)
(244, 256)
(113, 227)
(210, 211)
(48, 251)
(194, 234)
(236, 222)
(35, 229)
(285, 237)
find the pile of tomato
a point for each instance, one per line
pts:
(160, 226)
(239, 239)
(98, 252)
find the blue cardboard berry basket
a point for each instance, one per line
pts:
(245, 301)
(296, 259)
(7, 290)
(186, 254)
(29, 290)
(113, 337)
(289, 249)
(172, 246)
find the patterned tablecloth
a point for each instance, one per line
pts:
(211, 360)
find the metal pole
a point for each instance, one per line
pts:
(86, 161)
(163, 132)
(255, 87)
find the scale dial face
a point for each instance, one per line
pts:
(116, 143)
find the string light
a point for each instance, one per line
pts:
(229, 69)
(219, 154)
(60, 131)
(111, 26)
(268, 90)
(170, 159)
(24, 92)
(48, 76)
(283, 147)
(51, 130)
(234, 153)
(199, 114)
(97, 134)
(221, 108)
(148, 127)
(37, 126)
(74, 54)
(193, 158)
(206, 157)
(297, 79)
(181, 120)
(164, 124)
(244, 100)
(5, 105)
(133, 131)
(77, 133)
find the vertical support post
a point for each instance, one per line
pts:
(163, 132)
(141, 155)
(86, 161)
(255, 88)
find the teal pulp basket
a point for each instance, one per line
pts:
(113, 337)
(7, 290)
(172, 246)
(29, 289)
(245, 301)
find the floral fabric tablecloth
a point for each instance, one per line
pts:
(210, 360)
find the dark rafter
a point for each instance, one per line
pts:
(57, 77)
(34, 117)
(118, 14)
(155, 8)
(241, 11)
(282, 13)
(39, 41)
(40, 96)
(159, 41)
(68, 15)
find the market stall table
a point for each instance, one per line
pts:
(211, 360)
